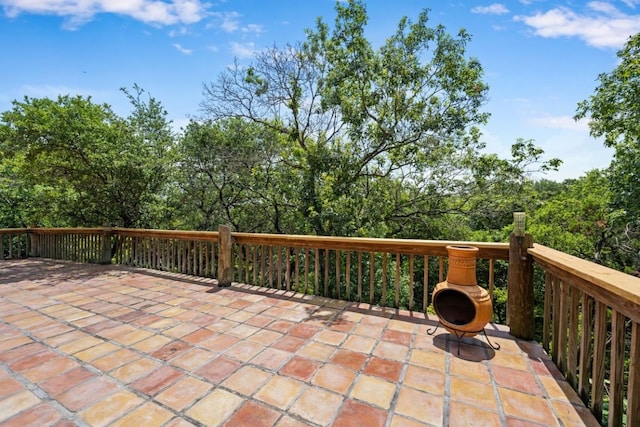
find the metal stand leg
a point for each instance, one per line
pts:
(495, 346)
(461, 334)
(433, 331)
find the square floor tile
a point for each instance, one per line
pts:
(280, 391)
(373, 390)
(183, 393)
(247, 380)
(215, 408)
(308, 405)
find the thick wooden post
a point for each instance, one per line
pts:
(34, 242)
(225, 256)
(105, 257)
(520, 305)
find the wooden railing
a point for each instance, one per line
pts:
(187, 252)
(591, 313)
(14, 243)
(384, 272)
(591, 327)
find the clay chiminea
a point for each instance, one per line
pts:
(463, 307)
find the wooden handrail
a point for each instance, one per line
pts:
(4, 231)
(487, 250)
(616, 289)
(173, 234)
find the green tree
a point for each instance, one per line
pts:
(82, 165)
(230, 173)
(379, 142)
(575, 221)
(614, 114)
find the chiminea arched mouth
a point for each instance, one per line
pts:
(454, 307)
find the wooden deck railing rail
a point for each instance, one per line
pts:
(591, 324)
(591, 327)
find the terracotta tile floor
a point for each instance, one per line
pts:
(104, 345)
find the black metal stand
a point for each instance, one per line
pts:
(460, 334)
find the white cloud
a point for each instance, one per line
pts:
(253, 28)
(494, 9)
(560, 122)
(243, 50)
(631, 3)
(600, 25)
(182, 49)
(182, 31)
(79, 12)
(229, 21)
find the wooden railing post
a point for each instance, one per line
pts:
(34, 242)
(520, 304)
(225, 256)
(105, 257)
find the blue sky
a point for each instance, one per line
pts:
(540, 57)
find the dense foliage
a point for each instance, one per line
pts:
(75, 163)
(329, 136)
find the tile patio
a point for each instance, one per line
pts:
(91, 345)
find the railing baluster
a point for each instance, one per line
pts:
(326, 272)
(616, 375)
(247, 249)
(425, 284)
(241, 263)
(338, 253)
(270, 266)
(572, 350)
(348, 276)
(279, 265)
(359, 276)
(397, 299)
(262, 265)
(584, 373)
(207, 259)
(371, 278)
(293, 277)
(411, 282)
(384, 280)
(562, 327)
(255, 265)
(492, 263)
(633, 388)
(599, 345)
(555, 315)
(306, 270)
(316, 272)
(546, 320)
